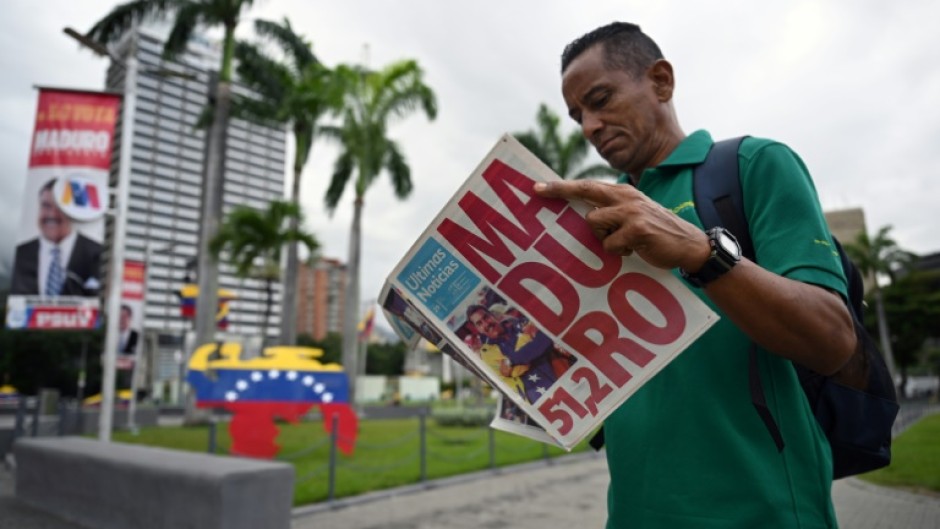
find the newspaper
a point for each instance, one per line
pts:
(517, 289)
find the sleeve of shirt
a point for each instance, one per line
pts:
(790, 234)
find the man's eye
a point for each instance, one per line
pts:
(600, 101)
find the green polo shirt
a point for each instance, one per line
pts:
(688, 450)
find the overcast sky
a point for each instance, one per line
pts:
(852, 86)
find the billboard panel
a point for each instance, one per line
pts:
(131, 320)
(56, 278)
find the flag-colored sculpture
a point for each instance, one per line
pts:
(283, 382)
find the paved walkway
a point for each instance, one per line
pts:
(573, 494)
(568, 493)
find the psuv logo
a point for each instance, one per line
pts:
(80, 197)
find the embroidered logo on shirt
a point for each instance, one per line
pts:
(825, 243)
(683, 206)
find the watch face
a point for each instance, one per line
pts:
(729, 244)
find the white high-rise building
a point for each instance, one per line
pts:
(166, 189)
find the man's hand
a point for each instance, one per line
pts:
(627, 221)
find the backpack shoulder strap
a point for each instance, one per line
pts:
(855, 287)
(719, 201)
(716, 189)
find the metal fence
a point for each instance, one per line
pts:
(421, 454)
(912, 411)
(29, 421)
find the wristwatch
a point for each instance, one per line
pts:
(726, 252)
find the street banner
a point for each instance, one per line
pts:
(131, 318)
(56, 280)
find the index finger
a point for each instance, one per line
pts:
(593, 192)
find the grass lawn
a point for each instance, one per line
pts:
(387, 453)
(915, 458)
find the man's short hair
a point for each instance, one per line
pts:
(625, 46)
(128, 309)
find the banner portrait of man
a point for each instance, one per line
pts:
(60, 260)
(56, 279)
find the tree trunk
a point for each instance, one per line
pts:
(289, 288)
(885, 335)
(269, 300)
(207, 300)
(213, 186)
(351, 303)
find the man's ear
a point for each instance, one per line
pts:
(660, 74)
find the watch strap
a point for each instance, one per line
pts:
(719, 262)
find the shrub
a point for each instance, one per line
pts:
(464, 416)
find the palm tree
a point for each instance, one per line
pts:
(563, 154)
(372, 99)
(879, 256)
(298, 91)
(253, 241)
(190, 14)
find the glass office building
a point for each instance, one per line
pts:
(166, 189)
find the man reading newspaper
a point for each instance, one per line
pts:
(517, 288)
(689, 449)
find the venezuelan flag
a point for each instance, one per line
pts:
(365, 326)
(190, 292)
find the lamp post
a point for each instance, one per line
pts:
(122, 193)
(116, 268)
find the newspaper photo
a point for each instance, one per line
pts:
(518, 289)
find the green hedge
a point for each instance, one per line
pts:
(466, 416)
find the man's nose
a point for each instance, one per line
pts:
(591, 127)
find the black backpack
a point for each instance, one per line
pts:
(857, 406)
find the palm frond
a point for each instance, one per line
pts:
(531, 142)
(295, 46)
(330, 132)
(342, 172)
(565, 154)
(303, 143)
(548, 123)
(879, 254)
(399, 170)
(372, 99)
(125, 16)
(400, 90)
(596, 171)
(249, 237)
(572, 151)
(261, 73)
(188, 16)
